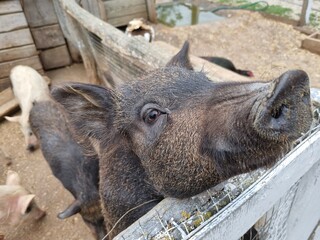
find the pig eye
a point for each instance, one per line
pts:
(151, 112)
(151, 115)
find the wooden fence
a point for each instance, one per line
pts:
(282, 203)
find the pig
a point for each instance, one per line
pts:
(17, 205)
(175, 133)
(28, 86)
(77, 170)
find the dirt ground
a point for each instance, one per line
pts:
(266, 47)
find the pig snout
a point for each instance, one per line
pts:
(32, 142)
(16, 203)
(286, 111)
(35, 212)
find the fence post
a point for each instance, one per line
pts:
(305, 13)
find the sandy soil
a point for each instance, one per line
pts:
(266, 47)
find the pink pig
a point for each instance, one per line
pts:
(28, 86)
(17, 205)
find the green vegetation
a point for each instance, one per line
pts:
(315, 20)
(259, 6)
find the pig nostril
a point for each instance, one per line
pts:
(31, 148)
(277, 112)
(29, 208)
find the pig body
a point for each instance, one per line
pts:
(175, 133)
(77, 171)
(28, 86)
(17, 205)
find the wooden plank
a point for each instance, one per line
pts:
(236, 218)
(95, 7)
(4, 83)
(305, 12)
(39, 12)
(55, 57)
(124, 20)
(129, 57)
(6, 95)
(305, 213)
(15, 38)
(312, 43)
(118, 10)
(17, 53)
(151, 9)
(213, 71)
(251, 204)
(14, 21)
(74, 52)
(6, 67)
(48, 36)
(10, 7)
(8, 108)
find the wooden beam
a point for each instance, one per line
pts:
(151, 9)
(12, 6)
(55, 57)
(6, 67)
(17, 53)
(124, 20)
(122, 8)
(15, 38)
(312, 43)
(130, 57)
(238, 216)
(305, 12)
(11, 22)
(6, 95)
(39, 12)
(48, 36)
(95, 7)
(7, 108)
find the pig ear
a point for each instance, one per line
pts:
(24, 203)
(73, 208)
(12, 178)
(13, 119)
(90, 107)
(181, 59)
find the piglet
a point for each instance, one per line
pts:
(28, 86)
(17, 205)
(76, 169)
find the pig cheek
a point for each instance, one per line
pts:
(145, 137)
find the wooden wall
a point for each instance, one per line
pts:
(120, 12)
(46, 32)
(16, 42)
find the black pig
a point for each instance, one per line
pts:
(76, 169)
(176, 133)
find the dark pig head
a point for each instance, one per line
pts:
(184, 133)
